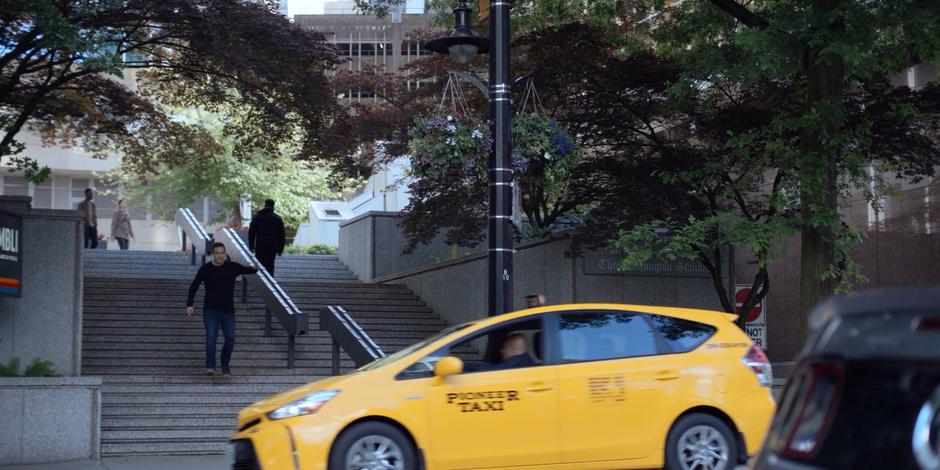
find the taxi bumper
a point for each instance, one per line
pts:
(752, 417)
(296, 443)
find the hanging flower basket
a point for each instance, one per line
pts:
(542, 150)
(449, 147)
(456, 148)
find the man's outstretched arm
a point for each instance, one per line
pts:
(242, 269)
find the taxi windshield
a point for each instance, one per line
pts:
(410, 349)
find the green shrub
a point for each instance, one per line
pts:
(36, 368)
(315, 249)
(39, 368)
(12, 369)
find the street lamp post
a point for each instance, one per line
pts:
(500, 224)
(461, 45)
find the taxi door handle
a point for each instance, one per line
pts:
(538, 388)
(664, 375)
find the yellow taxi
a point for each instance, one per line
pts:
(576, 386)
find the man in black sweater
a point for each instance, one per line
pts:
(514, 354)
(218, 308)
(266, 236)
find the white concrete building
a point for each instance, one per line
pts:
(73, 170)
(385, 191)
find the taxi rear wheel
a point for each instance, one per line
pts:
(700, 442)
(373, 446)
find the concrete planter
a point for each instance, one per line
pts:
(49, 419)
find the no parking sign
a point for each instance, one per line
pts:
(755, 319)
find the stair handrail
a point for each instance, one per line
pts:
(190, 227)
(348, 335)
(276, 301)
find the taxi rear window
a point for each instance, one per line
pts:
(681, 335)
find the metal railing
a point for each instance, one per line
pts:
(350, 336)
(276, 301)
(191, 230)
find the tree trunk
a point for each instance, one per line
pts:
(819, 178)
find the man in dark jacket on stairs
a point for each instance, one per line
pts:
(266, 237)
(218, 308)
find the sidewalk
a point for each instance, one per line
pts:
(183, 462)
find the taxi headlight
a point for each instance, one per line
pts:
(305, 406)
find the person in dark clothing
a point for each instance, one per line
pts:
(266, 236)
(514, 354)
(89, 212)
(218, 308)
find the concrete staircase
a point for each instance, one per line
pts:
(150, 355)
(173, 265)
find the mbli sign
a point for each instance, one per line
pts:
(9, 240)
(11, 255)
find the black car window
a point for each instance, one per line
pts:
(681, 335)
(483, 352)
(592, 336)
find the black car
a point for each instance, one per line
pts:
(865, 392)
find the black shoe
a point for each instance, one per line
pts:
(210, 371)
(226, 372)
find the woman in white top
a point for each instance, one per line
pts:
(121, 226)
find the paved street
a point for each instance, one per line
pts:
(207, 462)
(211, 462)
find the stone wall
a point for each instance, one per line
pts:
(49, 419)
(901, 247)
(46, 322)
(456, 289)
(356, 241)
(374, 243)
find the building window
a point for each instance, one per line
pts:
(61, 192)
(42, 194)
(15, 186)
(344, 48)
(409, 48)
(354, 94)
(417, 84)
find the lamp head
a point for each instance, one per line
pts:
(462, 45)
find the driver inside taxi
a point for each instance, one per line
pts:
(514, 353)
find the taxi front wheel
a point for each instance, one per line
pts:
(373, 445)
(700, 441)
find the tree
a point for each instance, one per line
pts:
(822, 54)
(806, 82)
(450, 176)
(229, 176)
(60, 59)
(376, 133)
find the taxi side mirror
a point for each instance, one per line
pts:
(448, 366)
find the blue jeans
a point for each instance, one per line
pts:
(212, 319)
